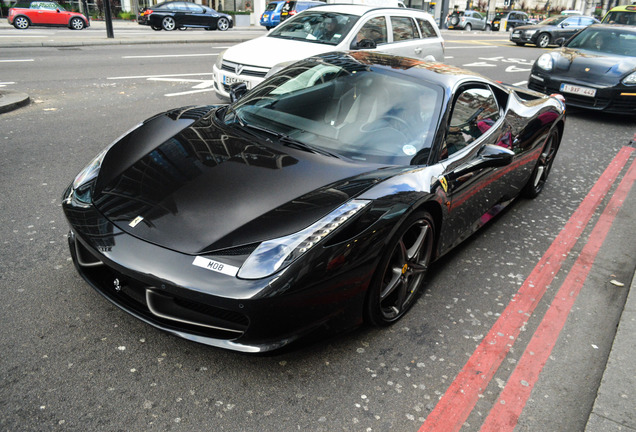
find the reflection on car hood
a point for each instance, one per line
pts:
(593, 66)
(267, 51)
(208, 188)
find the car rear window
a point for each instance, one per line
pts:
(271, 6)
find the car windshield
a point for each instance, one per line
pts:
(614, 41)
(318, 27)
(553, 21)
(369, 113)
(620, 17)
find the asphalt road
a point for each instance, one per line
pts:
(71, 361)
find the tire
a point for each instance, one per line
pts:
(544, 165)
(268, 27)
(168, 23)
(520, 43)
(76, 24)
(21, 23)
(222, 24)
(543, 40)
(401, 271)
(468, 27)
(487, 27)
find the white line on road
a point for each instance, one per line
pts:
(159, 76)
(169, 55)
(189, 92)
(16, 60)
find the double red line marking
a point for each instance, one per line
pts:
(459, 400)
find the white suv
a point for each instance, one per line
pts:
(405, 32)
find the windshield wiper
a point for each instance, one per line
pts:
(294, 143)
(237, 118)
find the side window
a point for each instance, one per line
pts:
(426, 28)
(474, 112)
(193, 8)
(570, 22)
(586, 21)
(403, 29)
(478, 16)
(374, 29)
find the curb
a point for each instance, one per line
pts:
(10, 100)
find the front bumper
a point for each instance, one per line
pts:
(518, 36)
(231, 73)
(165, 289)
(619, 99)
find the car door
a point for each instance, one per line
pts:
(405, 39)
(197, 15)
(46, 13)
(568, 27)
(479, 21)
(476, 130)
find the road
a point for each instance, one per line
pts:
(71, 361)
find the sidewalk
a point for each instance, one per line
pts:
(615, 405)
(124, 32)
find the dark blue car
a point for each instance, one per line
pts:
(278, 11)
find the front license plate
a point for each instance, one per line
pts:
(231, 80)
(579, 90)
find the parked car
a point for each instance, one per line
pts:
(175, 15)
(468, 20)
(514, 19)
(45, 13)
(596, 69)
(321, 29)
(551, 31)
(315, 201)
(278, 11)
(621, 15)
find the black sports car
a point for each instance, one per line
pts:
(596, 69)
(318, 199)
(180, 15)
(552, 31)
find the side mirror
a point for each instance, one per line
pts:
(237, 91)
(489, 156)
(560, 41)
(365, 44)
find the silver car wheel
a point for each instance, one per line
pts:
(223, 24)
(77, 24)
(21, 23)
(168, 23)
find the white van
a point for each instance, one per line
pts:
(375, 3)
(399, 31)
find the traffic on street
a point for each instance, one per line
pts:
(512, 329)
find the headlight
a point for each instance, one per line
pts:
(219, 60)
(274, 255)
(530, 32)
(91, 170)
(545, 62)
(630, 79)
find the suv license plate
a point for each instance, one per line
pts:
(579, 90)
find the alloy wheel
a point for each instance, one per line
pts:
(168, 23)
(223, 24)
(402, 270)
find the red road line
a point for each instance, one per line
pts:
(505, 414)
(460, 398)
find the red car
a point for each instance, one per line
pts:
(45, 13)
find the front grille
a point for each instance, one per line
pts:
(246, 70)
(161, 308)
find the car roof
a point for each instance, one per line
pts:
(356, 9)
(624, 8)
(626, 27)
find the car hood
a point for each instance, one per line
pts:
(211, 187)
(601, 69)
(267, 51)
(533, 27)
